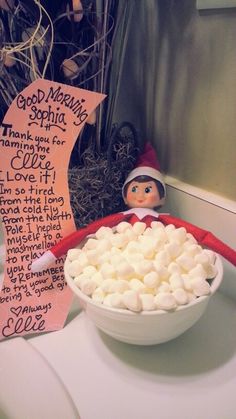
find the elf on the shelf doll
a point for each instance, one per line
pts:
(143, 191)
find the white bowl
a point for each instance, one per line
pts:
(146, 327)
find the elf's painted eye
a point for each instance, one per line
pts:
(148, 189)
(134, 189)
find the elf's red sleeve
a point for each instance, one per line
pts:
(203, 237)
(74, 239)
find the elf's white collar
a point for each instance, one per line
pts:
(141, 212)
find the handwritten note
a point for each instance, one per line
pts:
(36, 140)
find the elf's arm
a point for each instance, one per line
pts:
(203, 237)
(73, 239)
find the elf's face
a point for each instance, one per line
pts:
(142, 195)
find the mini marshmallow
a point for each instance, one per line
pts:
(164, 287)
(107, 270)
(116, 300)
(137, 285)
(191, 296)
(211, 256)
(169, 229)
(104, 245)
(103, 232)
(198, 271)
(88, 286)
(116, 259)
(174, 268)
(120, 286)
(118, 240)
(93, 256)
(161, 236)
(98, 295)
(132, 247)
(151, 280)
(178, 235)
(98, 278)
(123, 226)
(147, 247)
(200, 287)
(148, 232)
(73, 254)
(147, 301)
(211, 271)
(132, 301)
(107, 300)
(115, 251)
(139, 227)
(89, 270)
(165, 301)
(190, 238)
(176, 281)
(103, 258)
(107, 285)
(79, 279)
(134, 258)
(157, 224)
(187, 282)
(192, 249)
(91, 244)
(148, 251)
(152, 291)
(181, 296)
(146, 237)
(163, 258)
(173, 249)
(143, 267)
(75, 268)
(130, 234)
(186, 262)
(83, 260)
(158, 244)
(202, 258)
(161, 270)
(124, 270)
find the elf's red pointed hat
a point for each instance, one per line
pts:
(148, 165)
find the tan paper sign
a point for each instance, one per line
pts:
(37, 137)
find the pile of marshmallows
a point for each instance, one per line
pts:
(142, 268)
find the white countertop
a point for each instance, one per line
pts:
(191, 377)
